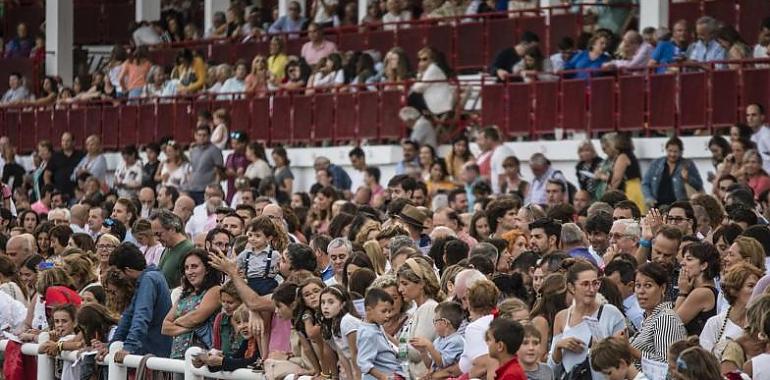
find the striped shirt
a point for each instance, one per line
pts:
(658, 331)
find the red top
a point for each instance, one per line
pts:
(510, 371)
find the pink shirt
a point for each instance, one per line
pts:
(280, 332)
(39, 208)
(152, 254)
(313, 54)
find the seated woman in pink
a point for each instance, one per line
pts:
(755, 176)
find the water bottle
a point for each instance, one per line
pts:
(403, 355)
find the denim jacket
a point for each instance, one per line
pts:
(651, 180)
(140, 324)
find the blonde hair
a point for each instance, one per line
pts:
(420, 271)
(110, 238)
(377, 257)
(483, 295)
(736, 276)
(510, 306)
(365, 230)
(751, 250)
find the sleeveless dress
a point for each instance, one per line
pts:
(200, 336)
(695, 326)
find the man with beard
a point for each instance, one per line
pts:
(544, 236)
(204, 215)
(167, 196)
(167, 226)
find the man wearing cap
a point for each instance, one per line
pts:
(422, 130)
(505, 59)
(236, 162)
(414, 219)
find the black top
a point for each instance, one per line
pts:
(505, 59)
(148, 174)
(62, 166)
(13, 174)
(666, 194)
(583, 166)
(695, 326)
(632, 171)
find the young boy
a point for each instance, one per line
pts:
(612, 357)
(259, 262)
(448, 346)
(377, 357)
(504, 338)
(529, 352)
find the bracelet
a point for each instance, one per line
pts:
(60, 346)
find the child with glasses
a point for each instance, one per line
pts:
(446, 349)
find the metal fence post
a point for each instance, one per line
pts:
(188, 366)
(45, 369)
(115, 371)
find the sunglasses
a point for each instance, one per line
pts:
(109, 222)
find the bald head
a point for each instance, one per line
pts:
(273, 211)
(464, 280)
(19, 248)
(199, 240)
(184, 207)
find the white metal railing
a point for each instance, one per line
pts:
(119, 371)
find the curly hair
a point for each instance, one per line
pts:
(736, 276)
(751, 250)
(420, 271)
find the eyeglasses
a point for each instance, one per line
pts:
(590, 284)
(235, 135)
(676, 219)
(105, 246)
(436, 321)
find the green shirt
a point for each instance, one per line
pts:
(171, 262)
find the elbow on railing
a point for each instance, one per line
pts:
(119, 371)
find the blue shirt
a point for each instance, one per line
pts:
(401, 165)
(340, 178)
(140, 324)
(583, 60)
(285, 24)
(666, 52)
(375, 351)
(327, 273)
(706, 51)
(450, 347)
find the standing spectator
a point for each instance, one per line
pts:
(494, 153)
(358, 163)
(422, 130)
(236, 163)
(151, 165)
(62, 165)
(39, 177)
(168, 228)
(588, 164)
(21, 45)
(513, 183)
(458, 157)
(431, 92)
(340, 178)
(292, 22)
(16, 92)
(93, 162)
(190, 71)
(626, 173)
(175, 171)
(756, 177)
(706, 48)
(258, 167)
(205, 158)
(113, 69)
(128, 175)
(317, 47)
(140, 325)
(284, 178)
(221, 132)
(147, 33)
(13, 173)
(671, 178)
(736, 49)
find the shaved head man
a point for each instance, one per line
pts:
(147, 200)
(273, 211)
(184, 207)
(19, 248)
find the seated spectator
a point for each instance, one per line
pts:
(295, 77)
(236, 83)
(706, 48)
(114, 66)
(349, 15)
(735, 47)
(322, 12)
(21, 45)
(147, 33)
(365, 74)
(316, 47)
(426, 93)
(235, 20)
(756, 177)
(173, 32)
(566, 50)
(37, 54)
(450, 8)
(671, 178)
(290, 22)
(422, 130)
(159, 85)
(16, 92)
(505, 59)
(590, 59)
(763, 41)
(672, 48)
(191, 32)
(395, 14)
(328, 73)
(190, 71)
(634, 52)
(48, 93)
(396, 67)
(256, 81)
(373, 14)
(218, 26)
(218, 75)
(277, 60)
(252, 29)
(534, 67)
(94, 163)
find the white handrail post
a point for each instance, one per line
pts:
(188, 366)
(44, 362)
(115, 371)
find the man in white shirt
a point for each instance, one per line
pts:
(203, 216)
(358, 162)
(147, 34)
(493, 154)
(755, 118)
(422, 129)
(16, 91)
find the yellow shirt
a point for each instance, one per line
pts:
(277, 65)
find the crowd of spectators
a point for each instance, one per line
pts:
(364, 276)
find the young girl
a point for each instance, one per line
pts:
(285, 299)
(225, 336)
(63, 338)
(306, 322)
(339, 326)
(247, 353)
(96, 324)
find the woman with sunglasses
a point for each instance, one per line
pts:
(575, 328)
(661, 326)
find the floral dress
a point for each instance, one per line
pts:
(200, 336)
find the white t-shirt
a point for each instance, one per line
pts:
(348, 325)
(321, 17)
(475, 342)
(356, 178)
(499, 155)
(710, 333)
(12, 312)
